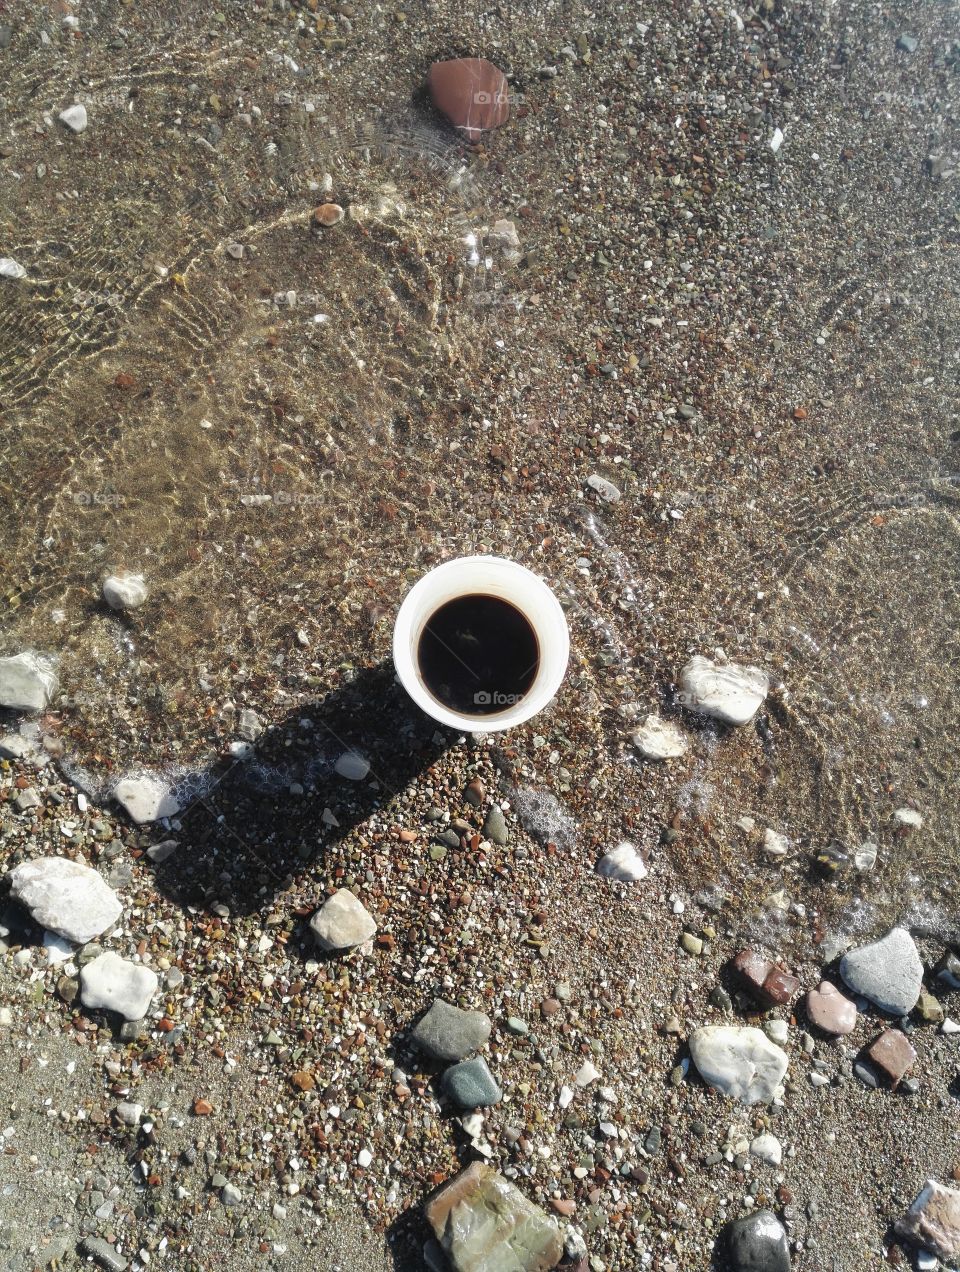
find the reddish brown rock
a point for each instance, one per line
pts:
(830, 1010)
(769, 984)
(892, 1054)
(472, 93)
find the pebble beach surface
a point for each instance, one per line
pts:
(298, 300)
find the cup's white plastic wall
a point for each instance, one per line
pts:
(488, 576)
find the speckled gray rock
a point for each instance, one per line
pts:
(65, 897)
(112, 982)
(342, 922)
(495, 826)
(28, 681)
(888, 972)
(757, 1243)
(104, 1253)
(471, 1085)
(485, 1224)
(741, 1062)
(449, 1033)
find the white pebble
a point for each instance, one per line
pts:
(352, 766)
(364, 1158)
(124, 591)
(9, 268)
(75, 117)
(908, 817)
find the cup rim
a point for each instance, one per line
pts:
(539, 607)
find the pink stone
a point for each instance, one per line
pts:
(472, 93)
(830, 1010)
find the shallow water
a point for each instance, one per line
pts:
(282, 442)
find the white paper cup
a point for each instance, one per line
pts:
(483, 576)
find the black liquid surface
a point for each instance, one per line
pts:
(478, 655)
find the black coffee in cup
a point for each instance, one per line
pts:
(478, 655)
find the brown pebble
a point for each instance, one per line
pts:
(328, 214)
(475, 792)
(563, 1205)
(408, 836)
(549, 1007)
(892, 1054)
(472, 93)
(303, 1081)
(202, 1108)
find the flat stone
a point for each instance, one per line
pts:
(129, 1114)
(767, 1148)
(124, 591)
(741, 1062)
(892, 1054)
(9, 268)
(449, 1033)
(908, 818)
(146, 797)
(104, 1253)
(929, 1008)
(623, 863)
(65, 897)
(909, 43)
(342, 922)
(471, 1085)
(75, 118)
(352, 766)
(472, 93)
(757, 1243)
(483, 1223)
(607, 491)
(658, 739)
(888, 972)
(250, 726)
(495, 826)
(933, 1221)
(725, 691)
(28, 681)
(117, 984)
(830, 1010)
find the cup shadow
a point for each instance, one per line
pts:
(251, 836)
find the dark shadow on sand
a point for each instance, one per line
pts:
(250, 838)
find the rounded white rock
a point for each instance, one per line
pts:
(342, 922)
(741, 1062)
(725, 691)
(65, 897)
(623, 863)
(124, 591)
(658, 739)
